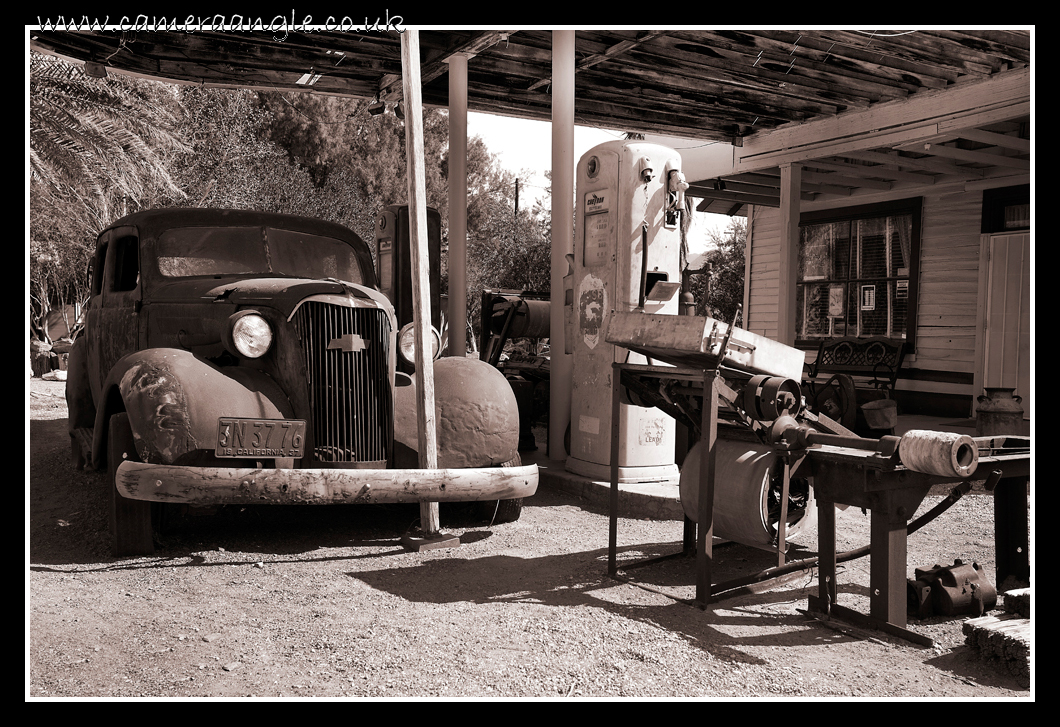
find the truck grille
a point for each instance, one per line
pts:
(346, 355)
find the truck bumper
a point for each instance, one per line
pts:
(234, 486)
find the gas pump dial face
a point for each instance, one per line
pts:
(592, 167)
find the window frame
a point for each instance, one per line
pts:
(912, 206)
(994, 203)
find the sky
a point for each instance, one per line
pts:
(522, 144)
(525, 145)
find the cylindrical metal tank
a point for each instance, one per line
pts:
(1000, 411)
(744, 475)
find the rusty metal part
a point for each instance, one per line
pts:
(230, 485)
(725, 341)
(767, 398)
(787, 432)
(807, 563)
(953, 590)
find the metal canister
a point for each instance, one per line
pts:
(1000, 411)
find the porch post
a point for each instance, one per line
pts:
(560, 365)
(457, 205)
(425, 411)
(790, 187)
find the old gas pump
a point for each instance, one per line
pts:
(394, 264)
(627, 256)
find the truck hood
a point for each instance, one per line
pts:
(283, 294)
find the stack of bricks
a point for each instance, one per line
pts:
(1005, 638)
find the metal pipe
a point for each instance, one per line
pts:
(643, 263)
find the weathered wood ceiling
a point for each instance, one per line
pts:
(717, 85)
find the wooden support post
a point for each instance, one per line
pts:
(887, 564)
(421, 284)
(705, 533)
(612, 542)
(826, 587)
(782, 523)
(563, 166)
(790, 187)
(1011, 532)
(458, 205)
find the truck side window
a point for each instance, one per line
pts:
(126, 263)
(97, 268)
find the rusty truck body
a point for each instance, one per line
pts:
(236, 357)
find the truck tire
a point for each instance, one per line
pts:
(502, 511)
(508, 511)
(130, 520)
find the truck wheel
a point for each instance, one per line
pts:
(130, 520)
(502, 511)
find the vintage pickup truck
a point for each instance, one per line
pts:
(235, 357)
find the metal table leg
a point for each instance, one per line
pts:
(705, 533)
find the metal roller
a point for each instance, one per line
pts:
(766, 398)
(939, 453)
(744, 474)
(530, 319)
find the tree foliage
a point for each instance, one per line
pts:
(340, 144)
(102, 148)
(97, 147)
(719, 292)
(99, 139)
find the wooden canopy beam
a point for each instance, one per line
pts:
(608, 54)
(390, 86)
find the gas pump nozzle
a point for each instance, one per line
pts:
(675, 195)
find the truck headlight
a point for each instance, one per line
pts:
(407, 343)
(249, 334)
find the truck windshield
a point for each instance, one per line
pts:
(190, 251)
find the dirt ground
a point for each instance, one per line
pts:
(323, 602)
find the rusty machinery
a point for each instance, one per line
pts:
(764, 466)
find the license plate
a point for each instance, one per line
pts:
(260, 437)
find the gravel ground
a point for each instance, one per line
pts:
(323, 602)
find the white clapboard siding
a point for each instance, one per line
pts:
(763, 296)
(948, 287)
(949, 281)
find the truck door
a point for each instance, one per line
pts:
(113, 318)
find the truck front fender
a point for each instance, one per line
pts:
(476, 414)
(174, 399)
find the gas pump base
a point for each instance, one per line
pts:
(668, 474)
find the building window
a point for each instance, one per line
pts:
(856, 273)
(1007, 209)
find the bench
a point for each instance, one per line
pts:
(844, 365)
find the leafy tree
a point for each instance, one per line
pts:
(59, 253)
(505, 249)
(97, 148)
(101, 140)
(331, 136)
(719, 292)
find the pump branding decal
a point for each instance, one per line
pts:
(652, 432)
(595, 201)
(592, 303)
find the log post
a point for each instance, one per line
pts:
(425, 407)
